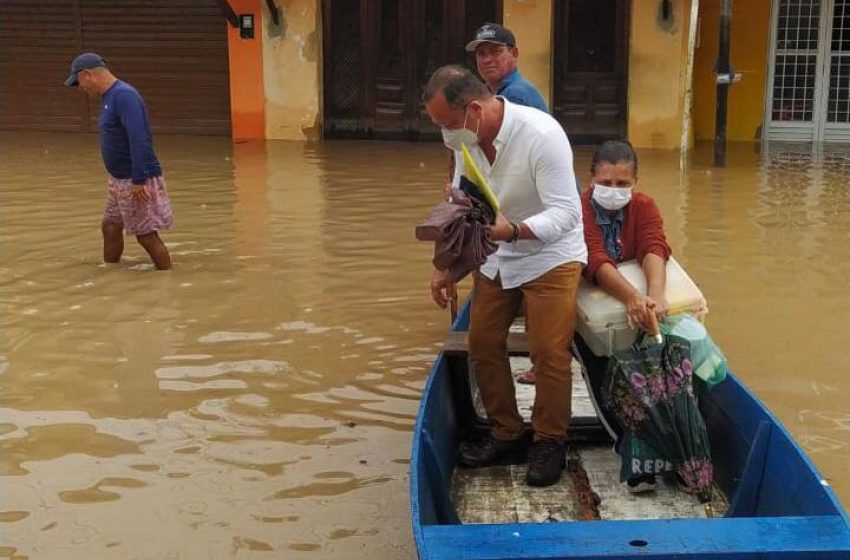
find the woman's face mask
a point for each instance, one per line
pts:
(613, 184)
(454, 137)
(612, 198)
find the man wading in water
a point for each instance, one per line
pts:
(137, 201)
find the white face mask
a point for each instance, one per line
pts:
(612, 198)
(454, 137)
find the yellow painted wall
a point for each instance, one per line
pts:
(657, 57)
(750, 37)
(292, 55)
(531, 23)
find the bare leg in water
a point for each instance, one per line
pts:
(113, 246)
(156, 249)
(113, 242)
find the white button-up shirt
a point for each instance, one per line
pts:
(532, 176)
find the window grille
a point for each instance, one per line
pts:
(838, 105)
(795, 61)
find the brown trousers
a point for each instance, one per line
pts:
(551, 309)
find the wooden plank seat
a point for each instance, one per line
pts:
(457, 343)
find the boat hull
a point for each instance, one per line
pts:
(780, 508)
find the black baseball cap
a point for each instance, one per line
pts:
(85, 61)
(492, 33)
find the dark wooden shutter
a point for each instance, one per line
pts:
(173, 51)
(38, 40)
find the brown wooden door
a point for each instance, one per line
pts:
(591, 58)
(173, 51)
(378, 55)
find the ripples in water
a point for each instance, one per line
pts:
(260, 396)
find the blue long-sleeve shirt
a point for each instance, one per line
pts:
(517, 89)
(125, 135)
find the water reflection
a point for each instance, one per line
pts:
(772, 257)
(260, 396)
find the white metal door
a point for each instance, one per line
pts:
(808, 89)
(837, 67)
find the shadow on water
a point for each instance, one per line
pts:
(261, 395)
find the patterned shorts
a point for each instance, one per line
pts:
(138, 218)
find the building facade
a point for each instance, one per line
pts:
(309, 69)
(795, 60)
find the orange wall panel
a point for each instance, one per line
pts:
(247, 91)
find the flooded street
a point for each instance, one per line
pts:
(258, 400)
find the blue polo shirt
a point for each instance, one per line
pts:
(519, 90)
(125, 135)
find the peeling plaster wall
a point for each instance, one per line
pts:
(656, 68)
(292, 63)
(292, 70)
(657, 59)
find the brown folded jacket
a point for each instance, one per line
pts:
(460, 230)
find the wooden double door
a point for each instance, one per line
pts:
(378, 55)
(591, 68)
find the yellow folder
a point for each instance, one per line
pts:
(477, 178)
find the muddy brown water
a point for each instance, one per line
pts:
(258, 400)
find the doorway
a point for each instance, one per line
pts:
(591, 60)
(378, 55)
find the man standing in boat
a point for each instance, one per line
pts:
(496, 57)
(526, 157)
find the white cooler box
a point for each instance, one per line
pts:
(601, 319)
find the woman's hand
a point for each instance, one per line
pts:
(442, 287)
(638, 310)
(661, 306)
(447, 192)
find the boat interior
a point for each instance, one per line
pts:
(768, 502)
(759, 470)
(590, 487)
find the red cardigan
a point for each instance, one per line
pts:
(642, 232)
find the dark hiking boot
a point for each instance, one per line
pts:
(545, 462)
(491, 451)
(641, 483)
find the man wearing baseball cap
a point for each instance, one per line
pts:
(137, 201)
(496, 56)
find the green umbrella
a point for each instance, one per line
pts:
(649, 387)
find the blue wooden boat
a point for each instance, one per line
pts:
(778, 507)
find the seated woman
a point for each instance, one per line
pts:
(622, 224)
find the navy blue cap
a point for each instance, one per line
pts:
(85, 61)
(492, 33)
